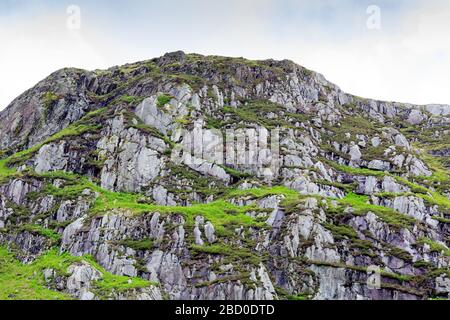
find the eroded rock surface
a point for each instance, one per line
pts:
(93, 166)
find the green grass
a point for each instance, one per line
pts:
(201, 184)
(73, 130)
(345, 187)
(341, 231)
(37, 229)
(361, 206)
(393, 195)
(430, 196)
(264, 192)
(94, 114)
(440, 179)
(214, 123)
(81, 127)
(354, 125)
(235, 173)
(441, 219)
(256, 112)
(422, 264)
(233, 254)
(131, 100)
(162, 100)
(292, 199)
(300, 297)
(437, 199)
(49, 99)
(433, 197)
(85, 125)
(5, 171)
(110, 282)
(222, 214)
(137, 245)
(400, 253)
(434, 246)
(26, 282)
(356, 171)
(113, 283)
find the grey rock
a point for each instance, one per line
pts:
(438, 110)
(51, 157)
(379, 165)
(416, 117)
(149, 112)
(443, 285)
(303, 252)
(401, 141)
(162, 197)
(417, 167)
(355, 153)
(81, 278)
(209, 232)
(390, 185)
(376, 142)
(198, 236)
(208, 168)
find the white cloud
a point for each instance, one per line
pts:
(407, 60)
(32, 49)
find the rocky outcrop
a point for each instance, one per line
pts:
(110, 170)
(81, 284)
(52, 105)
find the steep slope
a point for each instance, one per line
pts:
(104, 167)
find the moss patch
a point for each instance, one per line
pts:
(162, 100)
(37, 229)
(138, 245)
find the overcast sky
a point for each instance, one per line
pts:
(406, 59)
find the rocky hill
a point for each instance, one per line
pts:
(105, 195)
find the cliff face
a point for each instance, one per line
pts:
(101, 200)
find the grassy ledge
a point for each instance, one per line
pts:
(26, 282)
(361, 205)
